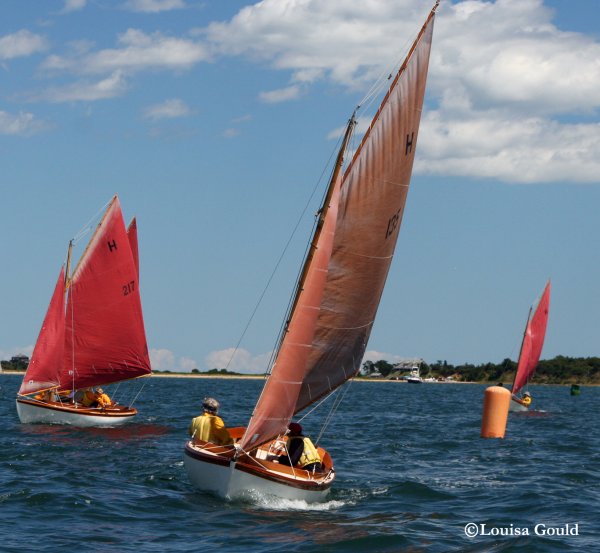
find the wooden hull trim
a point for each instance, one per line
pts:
(212, 468)
(34, 411)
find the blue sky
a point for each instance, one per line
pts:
(214, 120)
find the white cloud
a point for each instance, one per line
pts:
(344, 41)
(169, 109)
(165, 360)
(500, 146)
(231, 133)
(20, 44)
(22, 124)
(162, 359)
(138, 51)
(243, 361)
(510, 96)
(113, 85)
(154, 6)
(73, 6)
(187, 364)
(280, 95)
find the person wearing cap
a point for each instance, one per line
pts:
(301, 451)
(209, 427)
(102, 399)
(525, 400)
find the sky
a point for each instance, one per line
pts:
(214, 122)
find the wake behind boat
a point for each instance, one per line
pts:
(97, 338)
(531, 350)
(336, 299)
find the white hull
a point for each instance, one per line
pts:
(238, 480)
(30, 411)
(516, 407)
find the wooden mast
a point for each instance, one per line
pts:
(322, 213)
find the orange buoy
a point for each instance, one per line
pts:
(496, 401)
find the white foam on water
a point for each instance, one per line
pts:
(274, 503)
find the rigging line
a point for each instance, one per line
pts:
(88, 226)
(333, 410)
(296, 290)
(136, 395)
(317, 405)
(262, 295)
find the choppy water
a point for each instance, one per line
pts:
(411, 473)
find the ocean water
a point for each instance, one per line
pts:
(412, 473)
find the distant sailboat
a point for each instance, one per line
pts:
(336, 300)
(98, 338)
(531, 350)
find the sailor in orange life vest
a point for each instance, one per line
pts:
(208, 426)
(300, 450)
(102, 399)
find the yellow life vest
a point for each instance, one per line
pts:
(210, 428)
(103, 400)
(526, 400)
(310, 454)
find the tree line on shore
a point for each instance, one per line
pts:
(559, 370)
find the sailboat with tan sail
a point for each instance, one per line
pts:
(336, 300)
(93, 333)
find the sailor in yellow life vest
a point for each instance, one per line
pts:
(526, 399)
(301, 451)
(208, 426)
(102, 399)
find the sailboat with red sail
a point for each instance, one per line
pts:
(336, 300)
(531, 350)
(93, 332)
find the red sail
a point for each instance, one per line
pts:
(533, 342)
(335, 309)
(133, 243)
(371, 207)
(105, 336)
(46, 362)
(277, 402)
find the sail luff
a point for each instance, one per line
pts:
(392, 86)
(372, 201)
(275, 406)
(533, 342)
(44, 368)
(85, 253)
(337, 169)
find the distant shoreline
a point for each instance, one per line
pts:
(262, 377)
